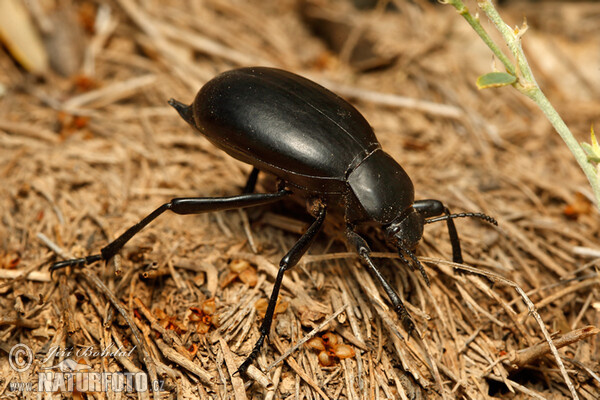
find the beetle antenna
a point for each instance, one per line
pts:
(415, 260)
(484, 217)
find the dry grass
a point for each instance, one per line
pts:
(82, 159)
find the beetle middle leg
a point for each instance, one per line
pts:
(362, 248)
(183, 206)
(251, 182)
(435, 210)
(287, 262)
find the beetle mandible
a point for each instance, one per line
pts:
(320, 147)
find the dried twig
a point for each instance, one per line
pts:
(13, 274)
(526, 356)
(528, 302)
(140, 343)
(238, 384)
(29, 131)
(168, 335)
(301, 373)
(119, 150)
(186, 363)
(393, 100)
(109, 94)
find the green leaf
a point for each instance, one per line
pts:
(592, 150)
(495, 79)
(590, 153)
(595, 145)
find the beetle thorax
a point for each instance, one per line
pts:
(379, 190)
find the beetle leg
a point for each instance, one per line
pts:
(433, 208)
(362, 248)
(187, 205)
(287, 262)
(251, 182)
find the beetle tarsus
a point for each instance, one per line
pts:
(407, 322)
(252, 356)
(75, 262)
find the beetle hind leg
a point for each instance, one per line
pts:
(183, 206)
(287, 262)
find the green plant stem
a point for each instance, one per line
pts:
(513, 42)
(588, 169)
(526, 82)
(476, 25)
(527, 85)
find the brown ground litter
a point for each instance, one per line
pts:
(84, 157)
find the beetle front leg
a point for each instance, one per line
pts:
(433, 208)
(362, 248)
(287, 262)
(183, 206)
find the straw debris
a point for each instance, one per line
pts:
(84, 157)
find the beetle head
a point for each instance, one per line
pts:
(406, 230)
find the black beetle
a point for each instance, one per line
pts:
(320, 147)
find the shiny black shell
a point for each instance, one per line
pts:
(303, 133)
(284, 124)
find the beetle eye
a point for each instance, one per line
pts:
(409, 239)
